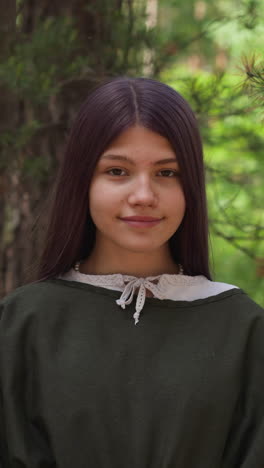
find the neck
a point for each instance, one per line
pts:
(136, 264)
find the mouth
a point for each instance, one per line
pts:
(140, 218)
(141, 221)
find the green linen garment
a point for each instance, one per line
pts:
(83, 387)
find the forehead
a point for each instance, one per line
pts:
(139, 142)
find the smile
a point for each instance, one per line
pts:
(141, 221)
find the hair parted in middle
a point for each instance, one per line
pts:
(109, 109)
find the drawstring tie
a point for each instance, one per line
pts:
(130, 288)
(128, 293)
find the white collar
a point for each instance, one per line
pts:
(165, 286)
(127, 284)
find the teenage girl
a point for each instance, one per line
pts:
(125, 353)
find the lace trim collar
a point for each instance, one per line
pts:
(176, 287)
(158, 285)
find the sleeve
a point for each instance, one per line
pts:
(245, 445)
(22, 441)
(3, 451)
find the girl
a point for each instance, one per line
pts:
(125, 353)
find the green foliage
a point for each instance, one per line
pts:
(253, 69)
(233, 142)
(231, 266)
(240, 30)
(57, 51)
(25, 134)
(15, 140)
(119, 36)
(37, 65)
(36, 166)
(227, 96)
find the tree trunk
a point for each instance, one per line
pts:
(7, 121)
(21, 195)
(151, 22)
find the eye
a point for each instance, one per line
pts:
(116, 171)
(169, 173)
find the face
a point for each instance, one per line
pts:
(136, 198)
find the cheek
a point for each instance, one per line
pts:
(102, 200)
(95, 202)
(176, 203)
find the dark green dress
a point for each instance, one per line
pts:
(83, 387)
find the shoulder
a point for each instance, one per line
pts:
(30, 292)
(25, 301)
(230, 298)
(237, 297)
(236, 306)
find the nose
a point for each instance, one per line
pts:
(142, 192)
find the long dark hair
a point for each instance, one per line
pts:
(111, 108)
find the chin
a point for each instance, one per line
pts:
(142, 249)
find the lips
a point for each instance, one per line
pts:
(141, 222)
(141, 218)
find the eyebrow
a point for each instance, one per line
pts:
(125, 158)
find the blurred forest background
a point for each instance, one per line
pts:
(211, 51)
